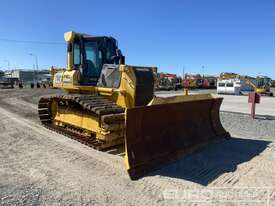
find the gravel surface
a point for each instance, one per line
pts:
(263, 127)
(40, 167)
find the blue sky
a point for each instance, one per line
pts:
(222, 35)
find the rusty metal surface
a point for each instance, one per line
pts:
(161, 133)
(254, 97)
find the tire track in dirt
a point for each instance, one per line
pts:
(69, 172)
(106, 168)
(148, 185)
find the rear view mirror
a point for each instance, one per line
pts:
(118, 58)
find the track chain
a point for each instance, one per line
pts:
(95, 105)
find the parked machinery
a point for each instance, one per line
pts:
(5, 83)
(110, 103)
(232, 83)
(209, 82)
(192, 81)
(199, 82)
(261, 85)
(167, 81)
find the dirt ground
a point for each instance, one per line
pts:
(40, 167)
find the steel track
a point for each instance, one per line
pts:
(94, 105)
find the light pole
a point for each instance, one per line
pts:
(202, 71)
(36, 60)
(8, 63)
(183, 72)
(36, 65)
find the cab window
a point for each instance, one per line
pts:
(111, 51)
(76, 53)
(93, 59)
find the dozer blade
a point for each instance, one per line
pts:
(162, 133)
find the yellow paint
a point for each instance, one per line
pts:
(185, 91)
(261, 90)
(81, 119)
(123, 96)
(54, 107)
(126, 160)
(248, 80)
(68, 80)
(180, 98)
(75, 118)
(69, 36)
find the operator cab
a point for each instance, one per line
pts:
(91, 53)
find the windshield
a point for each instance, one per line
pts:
(111, 51)
(93, 61)
(76, 54)
(259, 82)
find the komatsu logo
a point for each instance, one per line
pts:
(67, 79)
(143, 69)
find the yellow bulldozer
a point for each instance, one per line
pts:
(109, 103)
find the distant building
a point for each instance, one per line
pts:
(27, 76)
(21, 75)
